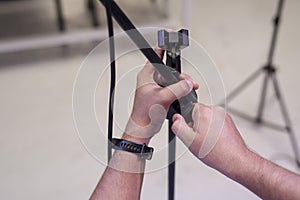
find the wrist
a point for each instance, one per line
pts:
(138, 130)
(140, 118)
(137, 140)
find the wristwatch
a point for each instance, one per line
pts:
(141, 150)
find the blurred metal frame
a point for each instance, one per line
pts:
(68, 38)
(59, 39)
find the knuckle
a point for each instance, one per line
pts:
(183, 86)
(164, 96)
(175, 127)
(187, 77)
(219, 109)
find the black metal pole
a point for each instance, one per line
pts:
(174, 63)
(93, 12)
(171, 77)
(60, 18)
(270, 73)
(112, 77)
(171, 167)
(262, 99)
(276, 22)
(288, 123)
(269, 68)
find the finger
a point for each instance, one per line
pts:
(160, 52)
(157, 114)
(182, 130)
(201, 114)
(145, 76)
(177, 90)
(187, 77)
(214, 131)
(196, 116)
(159, 79)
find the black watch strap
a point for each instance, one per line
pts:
(140, 149)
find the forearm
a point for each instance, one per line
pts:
(266, 179)
(123, 177)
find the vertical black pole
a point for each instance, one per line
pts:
(112, 78)
(174, 63)
(93, 12)
(269, 68)
(60, 18)
(171, 167)
(276, 22)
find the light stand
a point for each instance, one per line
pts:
(173, 43)
(269, 72)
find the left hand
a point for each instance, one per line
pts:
(152, 102)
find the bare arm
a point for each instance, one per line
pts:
(230, 155)
(123, 177)
(266, 179)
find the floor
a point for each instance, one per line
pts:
(44, 157)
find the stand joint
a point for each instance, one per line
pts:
(270, 69)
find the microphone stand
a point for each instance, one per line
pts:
(173, 43)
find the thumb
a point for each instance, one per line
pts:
(182, 130)
(178, 90)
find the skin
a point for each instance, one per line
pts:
(123, 177)
(233, 158)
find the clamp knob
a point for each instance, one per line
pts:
(173, 42)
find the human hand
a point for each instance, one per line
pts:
(151, 102)
(213, 138)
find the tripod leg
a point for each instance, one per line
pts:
(236, 91)
(262, 99)
(287, 120)
(171, 170)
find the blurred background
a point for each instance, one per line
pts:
(42, 45)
